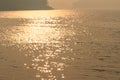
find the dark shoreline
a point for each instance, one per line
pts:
(50, 8)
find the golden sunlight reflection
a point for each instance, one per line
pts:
(44, 38)
(36, 13)
(45, 52)
(38, 35)
(46, 44)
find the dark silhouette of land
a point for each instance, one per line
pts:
(24, 5)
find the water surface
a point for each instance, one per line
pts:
(60, 45)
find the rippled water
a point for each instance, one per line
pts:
(60, 45)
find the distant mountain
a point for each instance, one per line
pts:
(24, 5)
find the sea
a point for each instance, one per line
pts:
(60, 45)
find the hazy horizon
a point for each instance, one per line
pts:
(82, 4)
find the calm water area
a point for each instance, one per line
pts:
(60, 45)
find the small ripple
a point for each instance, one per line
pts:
(99, 70)
(14, 66)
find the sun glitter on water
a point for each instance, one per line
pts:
(43, 38)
